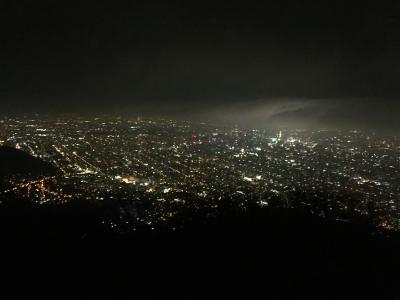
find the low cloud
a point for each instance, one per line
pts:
(313, 113)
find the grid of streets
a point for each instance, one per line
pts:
(165, 162)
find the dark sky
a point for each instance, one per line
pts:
(320, 62)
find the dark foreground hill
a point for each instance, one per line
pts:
(65, 253)
(17, 162)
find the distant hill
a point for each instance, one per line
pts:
(17, 162)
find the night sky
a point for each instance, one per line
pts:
(296, 63)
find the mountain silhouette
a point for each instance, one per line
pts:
(266, 253)
(17, 162)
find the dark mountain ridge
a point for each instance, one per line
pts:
(14, 162)
(263, 253)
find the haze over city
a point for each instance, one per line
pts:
(200, 149)
(324, 64)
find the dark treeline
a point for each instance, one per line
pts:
(64, 252)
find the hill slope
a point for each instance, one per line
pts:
(17, 162)
(258, 254)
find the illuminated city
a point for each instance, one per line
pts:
(164, 163)
(199, 150)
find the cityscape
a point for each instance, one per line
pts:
(199, 149)
(154, 167)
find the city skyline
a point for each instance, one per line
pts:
(199, 149)
(173, 165)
